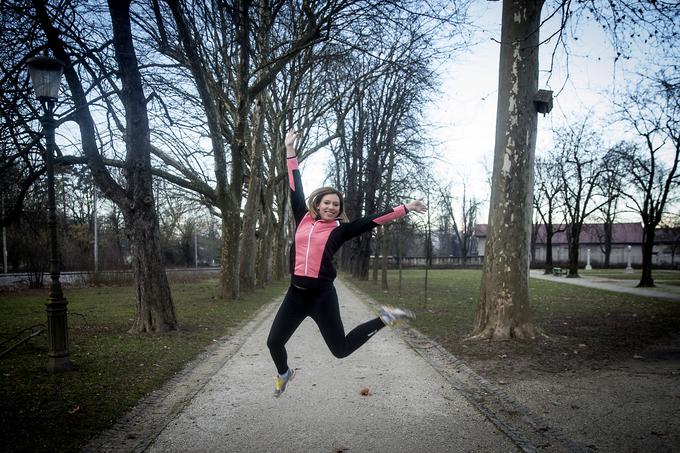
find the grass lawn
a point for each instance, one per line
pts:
(661, 276)
(43, 412)
(584, 327)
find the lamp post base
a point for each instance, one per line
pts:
(59, 364)
(57, 336)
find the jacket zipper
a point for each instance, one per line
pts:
(309, 242)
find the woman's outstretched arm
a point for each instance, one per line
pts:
(297, 195)
(360, 226)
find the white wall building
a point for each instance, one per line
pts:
(626, 239)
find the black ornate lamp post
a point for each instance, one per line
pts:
(45, 75)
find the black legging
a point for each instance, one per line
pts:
(322, 307)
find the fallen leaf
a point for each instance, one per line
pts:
(341, 449)
(638, 356)
(365, 392)
(74, 410)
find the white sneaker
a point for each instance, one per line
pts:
(393, 316)
(280, 382)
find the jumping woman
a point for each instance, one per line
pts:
(321, 228)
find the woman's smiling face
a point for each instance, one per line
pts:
(329, 207)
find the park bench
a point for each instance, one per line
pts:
(558, 271)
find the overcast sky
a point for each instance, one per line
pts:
(463, 118)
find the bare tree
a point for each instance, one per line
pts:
(378, 141)
(504, 301)
(670, 228)
(154, 307)
(581, 173)
(504, 311)
(547, 190)
(653, 112)
(464, 222)
(610, 189)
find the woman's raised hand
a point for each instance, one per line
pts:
(292, 137)
(417, 206)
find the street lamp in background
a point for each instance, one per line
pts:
(45, 75)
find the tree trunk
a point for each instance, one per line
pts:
(573, 250)
(573, 253)
(399, 255)
(377, 261)
(534, 238)
(229, 262)
(504, 311)
(362, 260)
(548, 248)
(251, 212)
(607, 243)
(264, 251)
(266, 242)
(281, 246)
(646, 281)
(155, 311)
(385, 254)
(231, 225)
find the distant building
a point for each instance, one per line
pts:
(624, 235)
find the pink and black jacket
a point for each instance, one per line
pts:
(316, 241)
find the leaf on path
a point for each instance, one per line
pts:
(365, 392)
(341, 449)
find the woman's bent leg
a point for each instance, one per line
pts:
(326, 314)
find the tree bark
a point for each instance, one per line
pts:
(646, 280)
(548, 248)
(281, 246)
(155, 310)
(504, 311)
(231, 227)
(607, 251)
(251, 212)
(378, 257)
(385, 255)
(574, 243)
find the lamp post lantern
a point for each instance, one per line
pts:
(45, 75)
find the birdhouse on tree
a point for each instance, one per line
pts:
(543, 101)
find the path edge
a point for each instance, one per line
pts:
(527, 430)
(136, 430)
